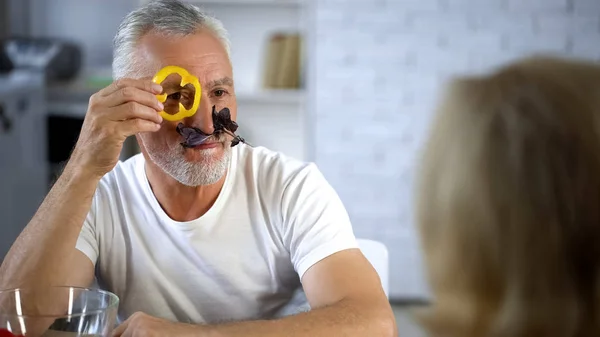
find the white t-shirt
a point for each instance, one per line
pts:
(274, 218)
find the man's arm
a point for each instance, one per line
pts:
(343, 289)
(45, 252)
(347, 299)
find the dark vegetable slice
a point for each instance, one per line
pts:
(222, 123)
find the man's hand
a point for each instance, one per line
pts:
(140, 324)
(122, 109)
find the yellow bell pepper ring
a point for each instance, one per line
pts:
(186, 78)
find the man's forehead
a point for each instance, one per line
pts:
(210, 66)
(200, 45)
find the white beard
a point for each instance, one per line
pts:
(205, 172)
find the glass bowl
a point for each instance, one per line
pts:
(57, 311)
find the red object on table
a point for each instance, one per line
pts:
(6, 333)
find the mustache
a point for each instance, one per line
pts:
(193, 136)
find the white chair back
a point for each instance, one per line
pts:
(377, 253)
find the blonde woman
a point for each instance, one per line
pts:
(509, 203)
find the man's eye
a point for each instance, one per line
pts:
(219, 92)
(175, 96)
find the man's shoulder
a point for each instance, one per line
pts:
(276, 171)
(264, 162)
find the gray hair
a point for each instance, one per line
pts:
(169, 17)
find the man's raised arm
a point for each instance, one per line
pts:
(44, 253)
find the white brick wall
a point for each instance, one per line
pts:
(379, 64)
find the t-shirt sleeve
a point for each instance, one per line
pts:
(316, 222)
(87, 241)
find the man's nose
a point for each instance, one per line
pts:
(202, 119)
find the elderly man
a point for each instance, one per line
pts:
(208, 240)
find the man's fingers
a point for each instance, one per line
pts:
(134, 110)
(132, 94)
(146, 85)
(132, 126)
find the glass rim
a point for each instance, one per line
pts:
(114, 301)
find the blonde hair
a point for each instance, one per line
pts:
(508, 203)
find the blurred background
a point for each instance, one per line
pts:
(348, 84)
